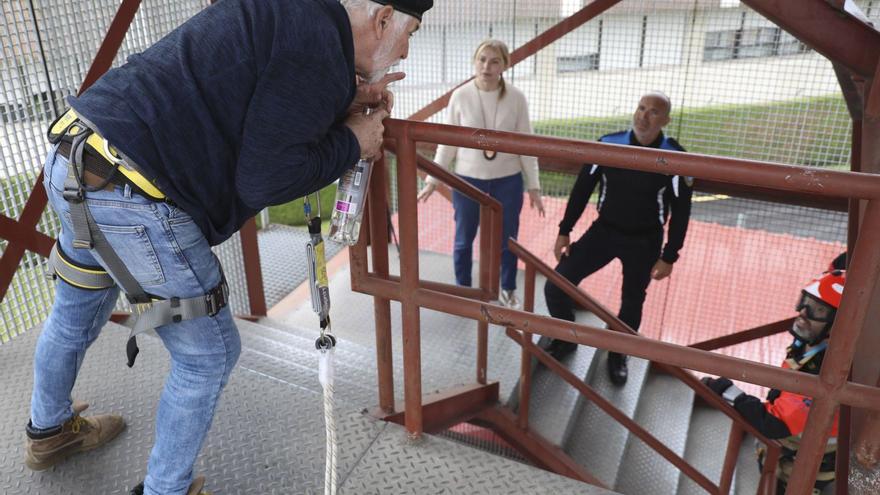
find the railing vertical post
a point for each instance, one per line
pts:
(378, 204)
(767, 486)
(409, 281)
(485, 247)
(482, 351)
(525, 374)
(250, 254)
(734, 443)
(486, 286)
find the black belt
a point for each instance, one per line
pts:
(98, 165)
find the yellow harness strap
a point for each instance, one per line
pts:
(66, 124)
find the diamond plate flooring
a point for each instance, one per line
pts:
(267, 436)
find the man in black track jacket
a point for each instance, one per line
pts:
(633, 208)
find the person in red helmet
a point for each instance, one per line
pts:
(784, 414)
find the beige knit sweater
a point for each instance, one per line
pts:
(510, 113)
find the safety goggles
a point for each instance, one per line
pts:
(816, 310)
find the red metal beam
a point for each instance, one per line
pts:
(745, 336)
(250, 253)
(837, 35)
(792, 178)
(409, 278)
(559, 30)
(734, 443)
(29, 239)
(450, 407)
(377, 202)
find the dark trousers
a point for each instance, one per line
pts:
(596, 248)
(508, 191)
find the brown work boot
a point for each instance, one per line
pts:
(77, 434)
(195, 488)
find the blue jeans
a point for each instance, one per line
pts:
(509, 191)
(169, 256)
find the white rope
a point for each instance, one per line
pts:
(325, 376)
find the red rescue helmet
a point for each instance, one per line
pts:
(820, 299)
(828, 287)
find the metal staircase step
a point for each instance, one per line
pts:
(708, 434)
(554, 404)
(664, 410)
(747, 475)
(597, 441)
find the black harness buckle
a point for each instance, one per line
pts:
(217, 298)
(74, 194)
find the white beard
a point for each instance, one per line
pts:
(380, 58)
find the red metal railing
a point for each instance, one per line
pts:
(377, 226)
(529, 349)
(829, 390)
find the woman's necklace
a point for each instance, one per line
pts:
(487, 154)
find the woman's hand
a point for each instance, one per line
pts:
(535, 201)
(426, 192)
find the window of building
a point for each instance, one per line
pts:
(768, 41)
(577, 63)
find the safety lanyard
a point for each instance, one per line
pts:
(325, 344)
(808, 355)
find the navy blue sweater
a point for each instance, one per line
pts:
(241, 107)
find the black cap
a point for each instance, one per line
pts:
(414, 8)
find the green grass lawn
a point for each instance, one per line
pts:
(808, 131)
(292, 213)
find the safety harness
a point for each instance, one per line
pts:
(809, 361)
(326, 342)
(89, 152)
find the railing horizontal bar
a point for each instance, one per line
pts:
(450, 179)
(775, 176)
(745, 335)
(852, 394)
(455, 290)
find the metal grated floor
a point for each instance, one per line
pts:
(267, 436)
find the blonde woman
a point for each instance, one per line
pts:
(489, 103)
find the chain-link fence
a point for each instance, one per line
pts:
(740, 87)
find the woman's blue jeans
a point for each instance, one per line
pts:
(509, 191)
(169, 256)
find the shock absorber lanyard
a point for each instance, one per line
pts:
(326, 342)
